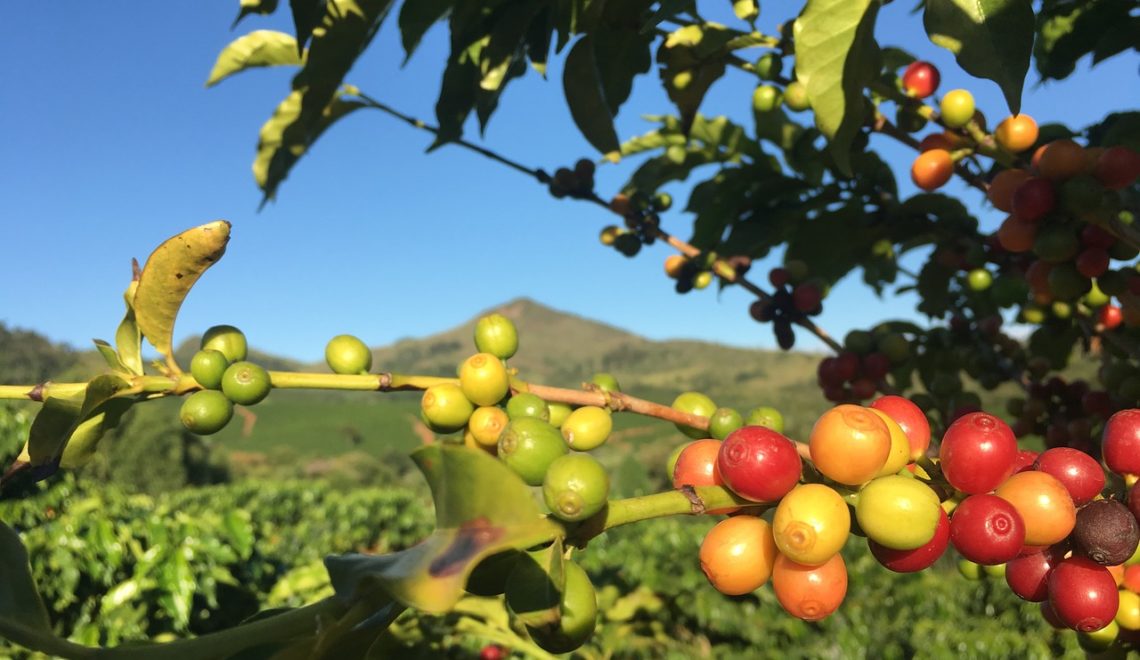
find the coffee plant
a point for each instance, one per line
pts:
(519, 500)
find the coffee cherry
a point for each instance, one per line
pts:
(1001, 189)
(920, 79)
(738, 554)
(1078, 472)
(245, 383)
(579, 614)
(977, 453)
(1110, 317)
(957, 108)
(558, 413)
(969, 569)
(920, 558)
(1121, 443)
(1044, 505)
(696, 466)
(1016, 133)
(525, 404)
(228, 340)
(932, 169)
(987, 529)
(723, 422)
(850, 444)
(898, 512)
(492, 652)
(445, 408)
(1034, 199)
(757, 464)
(1061, 159)
(766, 98)
(1117, 167)
(796, 97)
(910, 418)
(1105, 532)
(346, 354)
(1083, 594)
(1128, 612)
(675, 265)
(528, 446)
(1027, 576)
(979, 279)
(899, 455)
(769, 66)
(496, 334)
(811, 524)
(694, 403)
(810, 593)
(1017, 235)
(575, 487)
(605, 382)
(206, 412)
(609, 235)
(587, 428)
(207, 368)
(486, 425)
(484, 379)
(767, 417)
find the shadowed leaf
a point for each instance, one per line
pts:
(991, 39)
(481, 507)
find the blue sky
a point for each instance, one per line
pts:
(113, 143)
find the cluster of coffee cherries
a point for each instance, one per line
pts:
(1064, 413)
(1053, 535)
(546, 445)
(640, 214)
(576, 182)
(1042, 516)
(856, 372)
(226, 378)
(796, 297)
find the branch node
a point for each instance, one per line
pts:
(385, 383)
(696, 504)
(37, 393)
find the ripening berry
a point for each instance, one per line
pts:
(484, 379)
(1016, 133)
(738, 554)
(932, 169)
(346, 354)
(957, 108)
(921, 79)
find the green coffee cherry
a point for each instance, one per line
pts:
(227, 339)
(606, 382)
(245, 383)
(528, 446)
(694, 403)
(579, 608)
(525, 404)
(769, 66)
(796, 97)
(558, 413)
(484, 379)
(767, 417)
(723, 422)
(587, 428)
(206, 412)
(496, 334)
(575, 487)
(207, 368)
(445, 407)
(346, 354)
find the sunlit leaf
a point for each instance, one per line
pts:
(254, 7)
(166, 279)
(836, 57)
(261, 48)
(1066, 32)
(481, 506)
(306, 17)
(991, 39)
(691, 59)
(109, 355)
(128, 337)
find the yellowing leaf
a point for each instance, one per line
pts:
(260, 48)
(166, 278)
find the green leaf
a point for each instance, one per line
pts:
(668, 9)
(626, 54)
(895, 58)
(836, 58)
(128, 337)
(109, 355)
(481, 507)
(582, 84)
(692, 58)
(20, 602)
(991, 39)
(541, 572)
(285, 138)
(416, 17)
(254, 7)
(166, 278)
(261, 48)
(849, 240)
